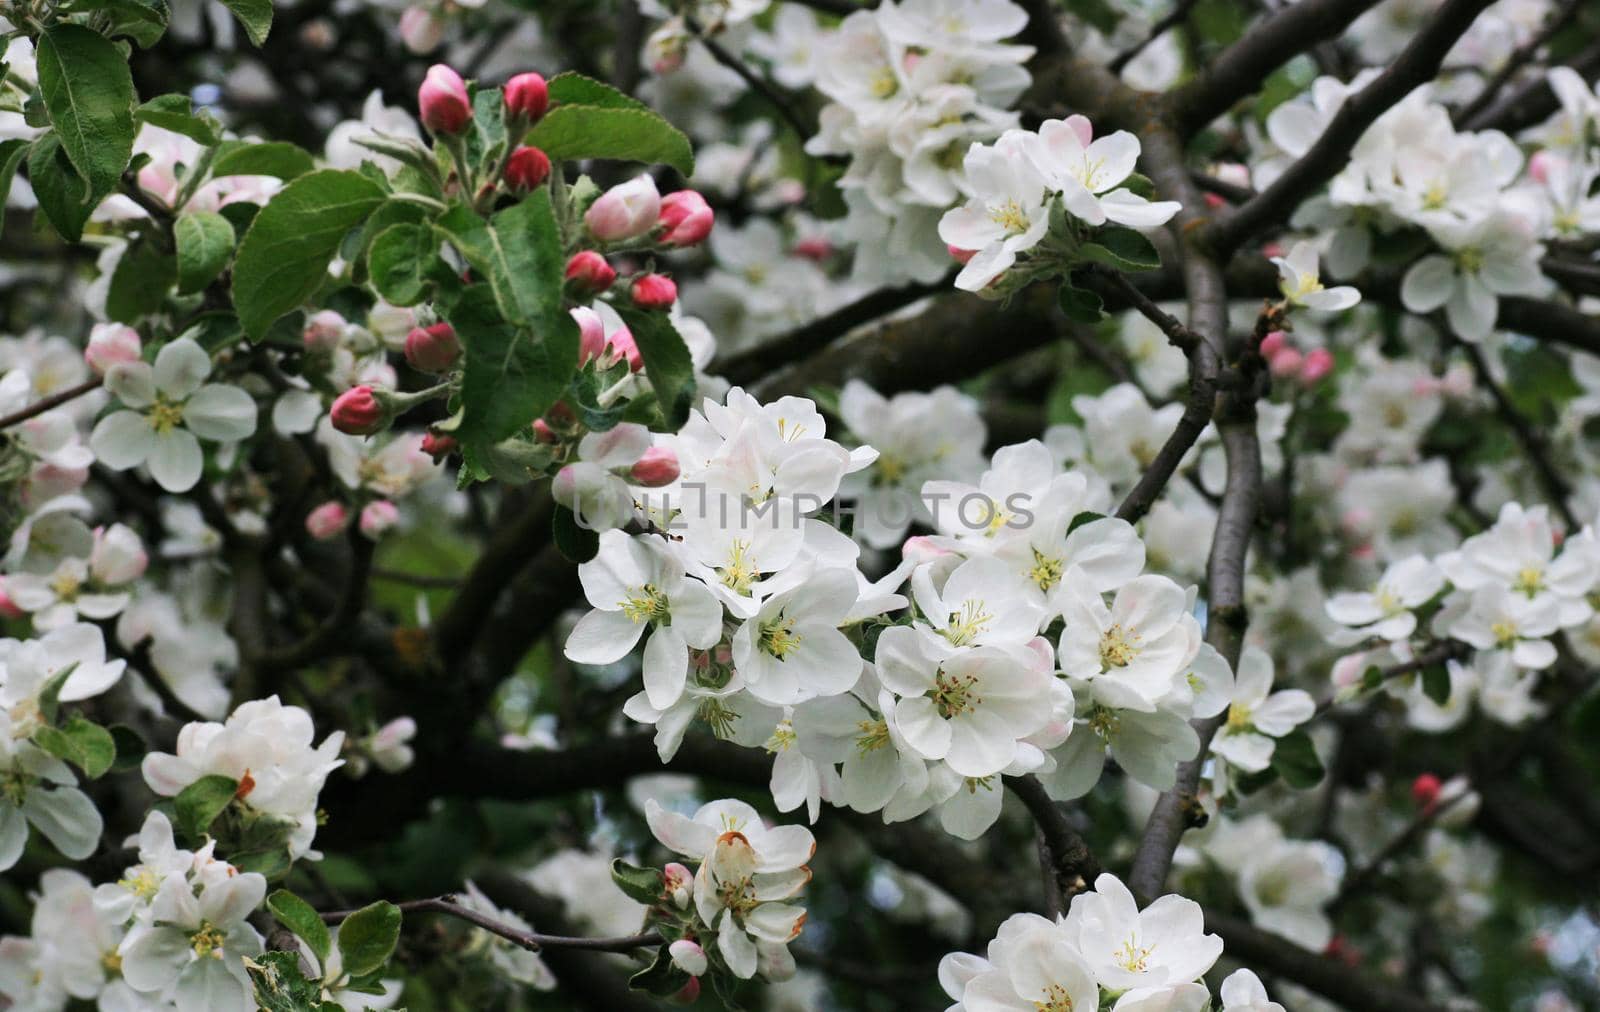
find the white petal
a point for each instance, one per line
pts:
(175, 460)
(221, 412)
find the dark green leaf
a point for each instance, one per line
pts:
(578, 544)
(1295, 758)
(511, 376)
(140, 283)
(199, 804)
(1099, 13)
(1122, 248)
(50, 694)
(1086, 517)
(1372, 678)
(131, 748)
(284, 257)
(666, 362)
(570, 132)
(1080, 305)
(205, 242)
(368, 936)
(662, 977)
(641, 884)
(573, 88)
(400, 261)
(81, 742)
(278, 984)
(254, 15)
(1436, 683)
(279, 159)
(519, 253)
(11, 155)
(88, 92)
(174, 112)
(302, 918)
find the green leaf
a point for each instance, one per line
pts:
(1080, 305)
(50, 694)
(278, 985)
(254, 15)
(270, 158)
(400, 261)
(63, 195)
(1436, 683)
(198, 805)
(131, 748)
(1122, 248)
(81, 742)
(11, 155)
(144, 21)
(1099, 13)
(284, 257)
(667, 362)
(1085, 517)
(570, 132)
(641, 884)
(574, 541)
(205, 242)
(139, 284)
(1295, 758)
(175, 112)
(573, 88)
(368, 936)
(662, 977)
(511, 376)
(519, 253)
(1372, 678)
(302, 918)
(88, 92)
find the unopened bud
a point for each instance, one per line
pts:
(1273, 343)
(658, 467)
(677, 884)
(377, 518)
(1286, 362)
(110, 344)
(1318, 364)
(1425, 791)
(527, 169)
(622, 346)
(588, 272)
(322, 331)
(959, 255)
(438, 446)
(654, 291)
(442, 101)
(421, 30)
(526, 97)
(433, 349)
(688, 957)
(686, 218)
(625, 211)
(327, 520)
(359, 412)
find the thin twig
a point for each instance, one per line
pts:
(1516, 61)
(449, 905)
(1179, 14)
(55, 400)
(1446, 651)
(757, 83)
(1557, 488)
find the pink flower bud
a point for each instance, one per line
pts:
(8, 607)
(377, 518)
(1273, 343)
(959, 255)
(686, 218)
(542, 432)
(591, 334)
(443, 102)
(1540, 164)
(109, 344)
(421, 30)
(588, 272)
(432, 349)
(527, 169)
(625, 211)
(1318, 364)
(322, 331)
(813, 248)
(527, 97)
(1272, 249)
(688, 994)
(437, 446)
(688, 957)
(1425, 791)
(327, 520)
(621, 345)
(1286, 362)
(358, 412)
(677, 884)
(654, 291)
(658, 467)
(561, 413)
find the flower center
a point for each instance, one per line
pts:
(1046, 572)
(1117, 647)
(647, 604)
(968, 623)
(1104, 722)
(1132, 957)
(208, 941)
(717, 716)
(874, 735)
(778, 638)
(783, 737)
(1470, 259)
(1056, 999)
(165, 416)
(1530, 581)
(740, 572)
(954, 695)
(891, 469)
(883, 83)
(142, 885)
(1010, 217)
(1504, 632)
(66, 586)
(1388, 603)
(1238, 718)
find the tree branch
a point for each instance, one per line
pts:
(449, 905)
(44, 404)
